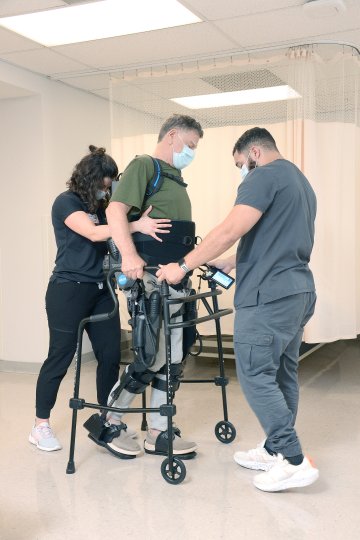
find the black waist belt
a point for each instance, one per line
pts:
(175, 244)
(181, 232)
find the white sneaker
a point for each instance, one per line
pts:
(283, 475)
(44, 438)
(257, 459)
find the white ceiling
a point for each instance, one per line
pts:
(228, 27)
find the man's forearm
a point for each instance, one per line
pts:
(214, 244)
(239, 221)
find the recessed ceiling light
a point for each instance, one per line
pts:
(98, 20)
(242, 97)
(324, 8)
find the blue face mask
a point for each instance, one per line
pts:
(100, 194)
(184, 158)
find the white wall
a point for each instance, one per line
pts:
(41, 139)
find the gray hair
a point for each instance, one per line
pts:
(180, 121)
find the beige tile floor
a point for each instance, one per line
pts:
(113, 499)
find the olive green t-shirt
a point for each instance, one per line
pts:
(171, 201)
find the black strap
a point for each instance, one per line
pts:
(157, 180)
(177, 179)
(184, 240)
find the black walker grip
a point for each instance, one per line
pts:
(100, 317)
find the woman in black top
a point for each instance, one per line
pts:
(77, 289)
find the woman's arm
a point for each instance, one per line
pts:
(80, 223)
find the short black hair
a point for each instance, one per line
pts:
(180, 121)
(254, 136)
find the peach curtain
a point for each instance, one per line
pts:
(323, 142)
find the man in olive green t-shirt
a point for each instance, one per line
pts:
(175, 149)
(171, 201)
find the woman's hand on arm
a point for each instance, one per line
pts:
(150, 226)
(80, 223)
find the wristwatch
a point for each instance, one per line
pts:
(183, 266)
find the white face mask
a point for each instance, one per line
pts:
(244, 170)
(184, 158)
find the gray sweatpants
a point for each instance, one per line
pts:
(267, 339)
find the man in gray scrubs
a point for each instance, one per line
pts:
(274, 216)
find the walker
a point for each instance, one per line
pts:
(173, 469)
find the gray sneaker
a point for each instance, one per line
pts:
(132, 433)
(124, 444)
(158, 444)
(44, 438)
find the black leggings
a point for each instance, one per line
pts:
(66, 305)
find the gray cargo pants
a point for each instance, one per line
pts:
(267, 339)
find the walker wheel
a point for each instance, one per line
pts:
(225, 432)
(174, 473)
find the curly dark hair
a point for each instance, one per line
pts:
(88, 176)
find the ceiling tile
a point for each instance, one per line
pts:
(44, 61)
(8, 8)
(235, 26)
(87, 82)
(265, 28)
(235, 8)
(159, 45)
(11, 42)
(350, 36)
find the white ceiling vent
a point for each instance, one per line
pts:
(324, 8)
